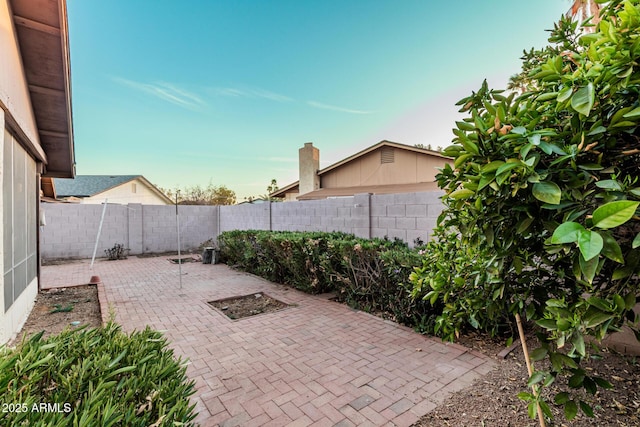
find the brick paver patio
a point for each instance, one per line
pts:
(317, 363)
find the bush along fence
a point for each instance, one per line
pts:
(97, 377)
(367, 274)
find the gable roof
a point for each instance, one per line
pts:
(384, 143)
(91, 185)
(374, 147)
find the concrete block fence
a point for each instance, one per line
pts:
(71, 229)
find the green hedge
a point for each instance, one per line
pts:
(366, 274)
(94, 377)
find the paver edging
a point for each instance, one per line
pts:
(104, 303)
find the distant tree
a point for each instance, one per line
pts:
(198, 195)
(428, 147)
(272, 188)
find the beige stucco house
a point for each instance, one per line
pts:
(37, 140)
(384, 168)
(120, 189)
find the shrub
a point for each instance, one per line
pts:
(544, 198)
(370, 275)
(118, 251)
(96, 377)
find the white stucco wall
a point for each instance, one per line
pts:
(124, 194)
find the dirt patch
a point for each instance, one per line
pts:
(492, 400)
(248, 305)
(60, 308)
(182, 260)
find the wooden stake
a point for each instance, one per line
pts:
(534, 387)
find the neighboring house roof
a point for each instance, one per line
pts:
(92, 185)
(325, 193)
(375, 147)
(376, 189)
(41, 28)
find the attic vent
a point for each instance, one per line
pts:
(387, 155)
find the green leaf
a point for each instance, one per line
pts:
(535, 139)
(547, 323)
(614, 214)
(588, 411)
(635, 113)
(524, 225)
(470, 147)
(619, 303)
(567, 232)
(546, 410)
(527, 397)
(578, 342)
(597, 130)
(582, 100)
(609, 184)
(508, 166)
(492, 167)
(621, 273)
(561, 398)
(588, 268)
(532, 407)
(597, 318)
(565, 94)
(462, 193)
(611, 248)
(547, 192)
(576, 380)
(538, 354)
(590, 244)
(636, 241)
(630, 301)
(570, 410)
(603, 383)
(465, 126)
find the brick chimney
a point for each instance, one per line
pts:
(309, 162)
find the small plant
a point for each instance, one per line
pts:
(59, 308)
(118, 251)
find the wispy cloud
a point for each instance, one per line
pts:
(251, 93)
(165, 91)
(336, 108)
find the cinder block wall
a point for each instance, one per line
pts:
(405, 216)
(160, 234)
(346, 214)
(71, 229)
(245, 217)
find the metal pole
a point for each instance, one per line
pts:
(95, 248)
(178, 229)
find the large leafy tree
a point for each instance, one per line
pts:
(541, 216)
(198, 195)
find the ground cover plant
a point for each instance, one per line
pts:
(541, 217)
(98, 376)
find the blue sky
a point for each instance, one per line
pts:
(227, 91)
